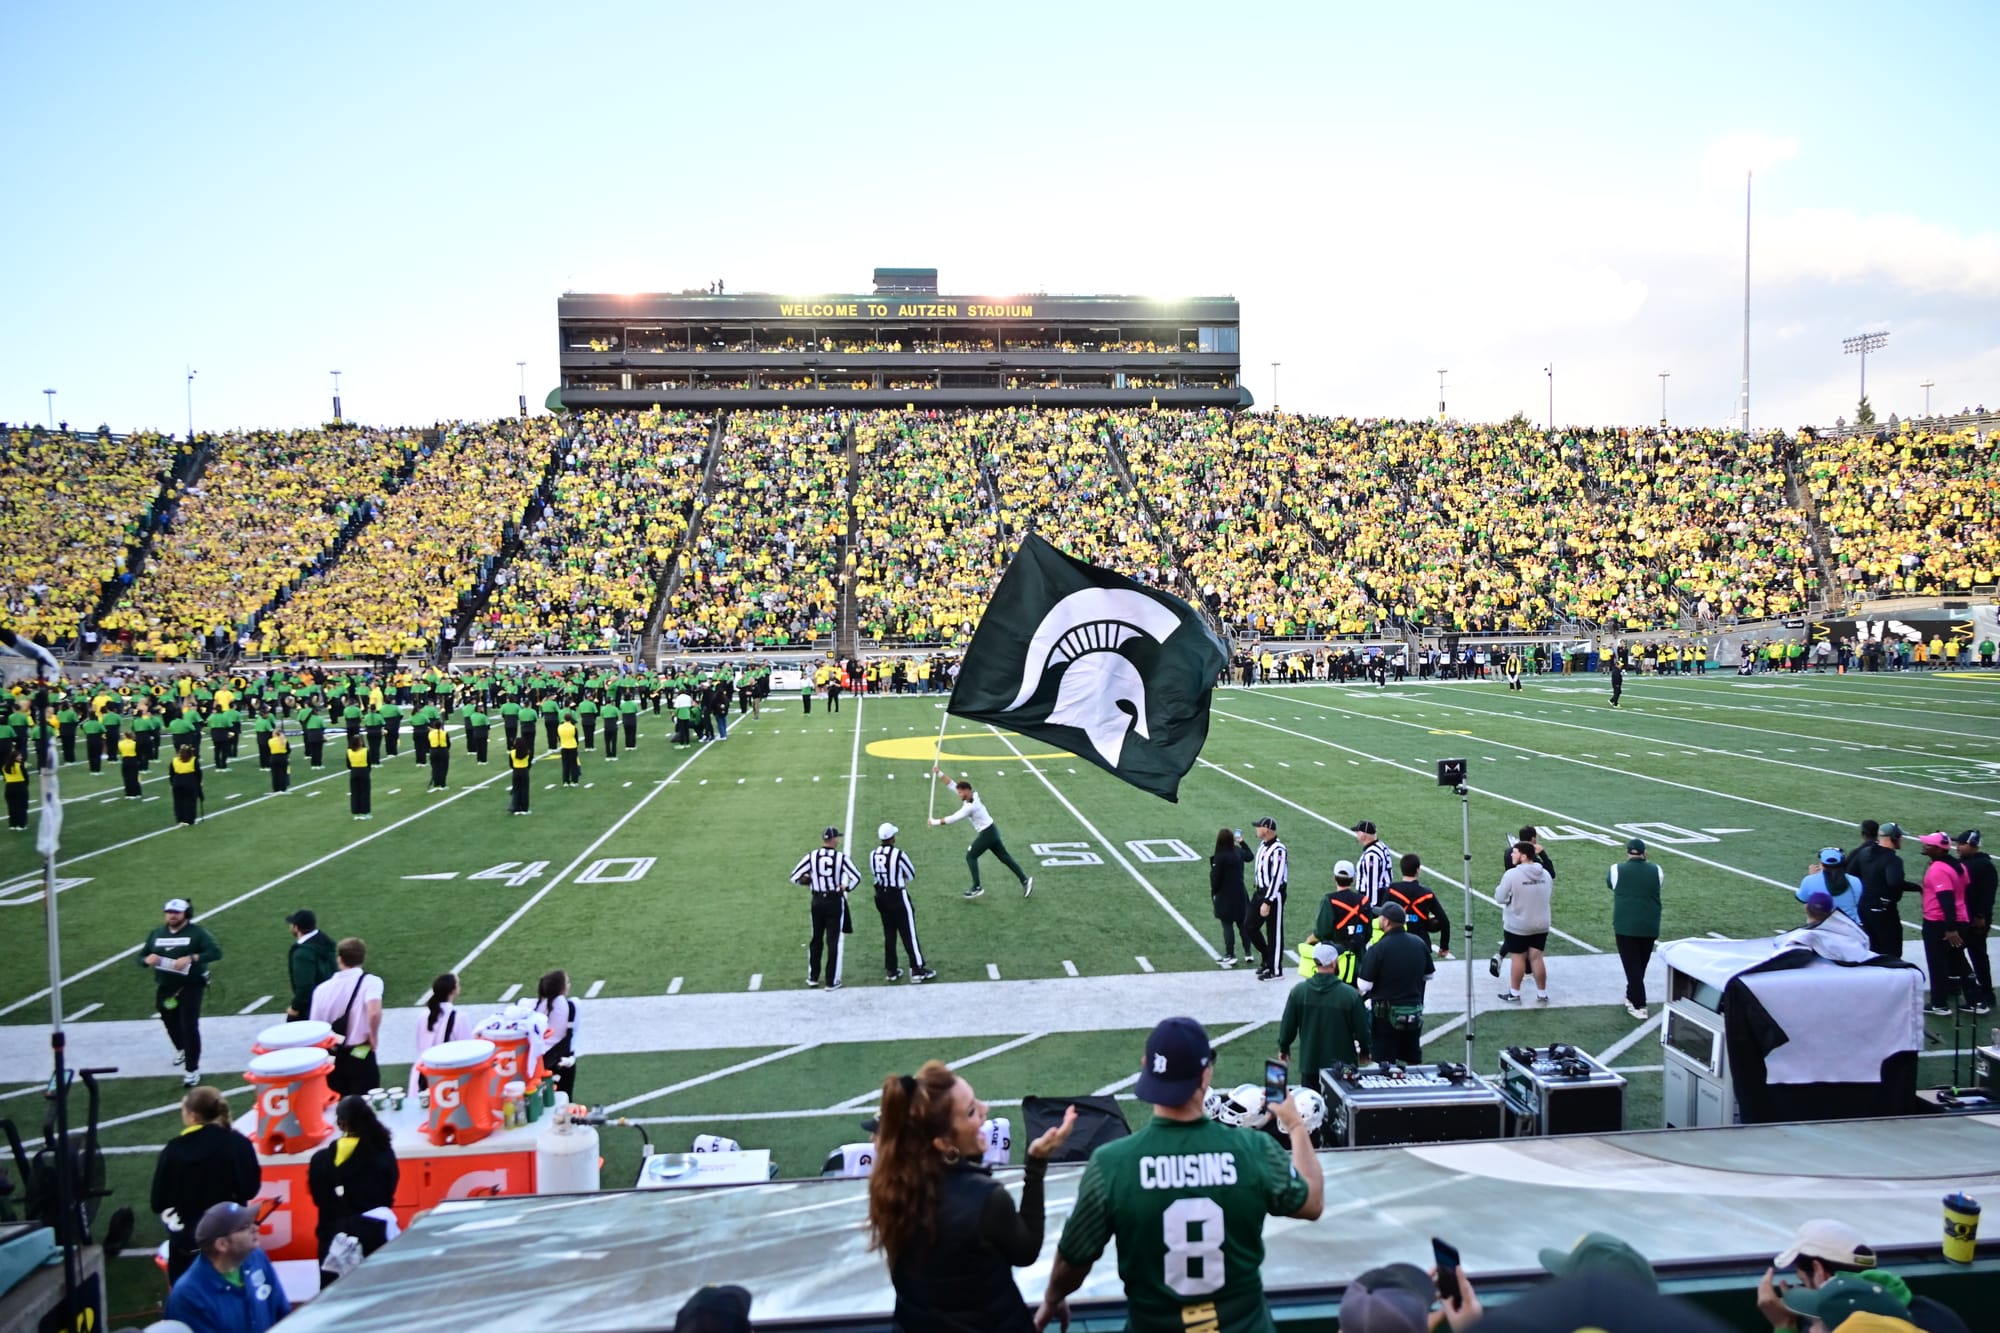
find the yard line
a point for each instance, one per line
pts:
(993, 971)
(583, 858)
(1111, 1089)
(756, 981)
(1717, 935)
(79, 1015)
(674, 986)
(212, 912)
(1525, 805)
(254, 1005)
(1756, 756)
(507, 996)
(768, 1057)
(1450, 1025)
(225, 1090)
(596, 987)
(1108, 846)
(853, 768)
(1630, 1039)
(1145, 964)
(1336, 824)
(1841, 820)
(863, 1099)
(1069, 968)
(1856, 721)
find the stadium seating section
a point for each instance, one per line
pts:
(564, 534)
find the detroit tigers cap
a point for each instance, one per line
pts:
(831, 832)
(887, 831)
(1177, 1050)
(176, 905)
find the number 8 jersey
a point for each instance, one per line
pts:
(1186, 1202)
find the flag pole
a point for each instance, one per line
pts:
(937, 754)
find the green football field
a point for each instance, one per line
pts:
(665, 876)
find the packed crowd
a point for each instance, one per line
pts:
(607, 529)
(766, 568)
(1909, 513)
(71, 508)
(926, 530)
(257, 522)
(399, 582)
(1057, 477)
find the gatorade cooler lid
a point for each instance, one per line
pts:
(291, 1062)
(457, 1054)
(302, 1033)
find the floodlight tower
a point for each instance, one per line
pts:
(1863, 344)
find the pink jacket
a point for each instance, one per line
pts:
(1945, 881)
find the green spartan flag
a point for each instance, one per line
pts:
(1093, 662)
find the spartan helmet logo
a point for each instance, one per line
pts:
(1083, 634)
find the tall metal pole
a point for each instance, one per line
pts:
(50, 394)
(1274, 384)
(336, 397)
(1550, 371)
(1927, 386)
(1441, 375)
(1663, 398)
(522, 366)
(1747, 177)
(1465, 936)
(190, 398)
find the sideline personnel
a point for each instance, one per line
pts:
(180, 953)
(892, 871)
(1396, 969)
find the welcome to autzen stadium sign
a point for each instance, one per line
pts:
(740, 309)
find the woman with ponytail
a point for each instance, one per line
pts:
(438, 1025)
(950, 1231)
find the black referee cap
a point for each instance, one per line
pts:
(831, 832)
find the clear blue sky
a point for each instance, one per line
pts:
(401, 191)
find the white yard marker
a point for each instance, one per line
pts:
(395, 791)
(1069, 968)
(596, 987)
(149, 800)
(507, 996)
(993, 971)
(674, 986)
(254, 1005)
(1145, 964)
(1630, 1039)
(711, 1077)
(757, 978)
(234, 796)
(93, 1008)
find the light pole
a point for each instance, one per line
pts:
(1864, 343)
(190, 398)
(51, 395)
(522, 366)
(1550, 371)
(1441, 375)
(1927, 386)
(1274, 384)
(336, 397)
(1663, 398)
(1746, 304)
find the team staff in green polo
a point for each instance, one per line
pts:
(1635, 919)
(1324, 1016)
(180, 954)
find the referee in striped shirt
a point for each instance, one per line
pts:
(829, 874)
(1265, 926)
(892, 871)
(1375, 867)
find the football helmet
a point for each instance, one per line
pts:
(1243, 1106)
(1312, 1107)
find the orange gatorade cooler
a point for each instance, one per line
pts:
(516, 1038)
(292, 1099)
(461, 1075)
(292, 1036)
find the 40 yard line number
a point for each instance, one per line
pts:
(607, 870)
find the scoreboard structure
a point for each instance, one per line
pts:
(902, 344)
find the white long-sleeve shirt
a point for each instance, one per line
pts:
(448, 1028)
(974, 810)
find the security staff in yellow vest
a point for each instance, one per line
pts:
(572, 763)
(16, 774)
(184, 780)
(438, 752)
(129, 764)
(280, 751)
(360, 782)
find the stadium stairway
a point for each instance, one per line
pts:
(1114, 449)
(847, 615)
(1801, 498)
(474, 601)
(189, 464)
(670, 578)
(325, 560)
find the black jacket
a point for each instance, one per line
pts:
(1399, 964)
(963, 1282)
(1882, 881)
(342, 1193)
(1225, 885)
(1981, 881)
(201, 1168)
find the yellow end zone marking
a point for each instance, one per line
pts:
(1968, 675)
(924, 749)
(1451, 733)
